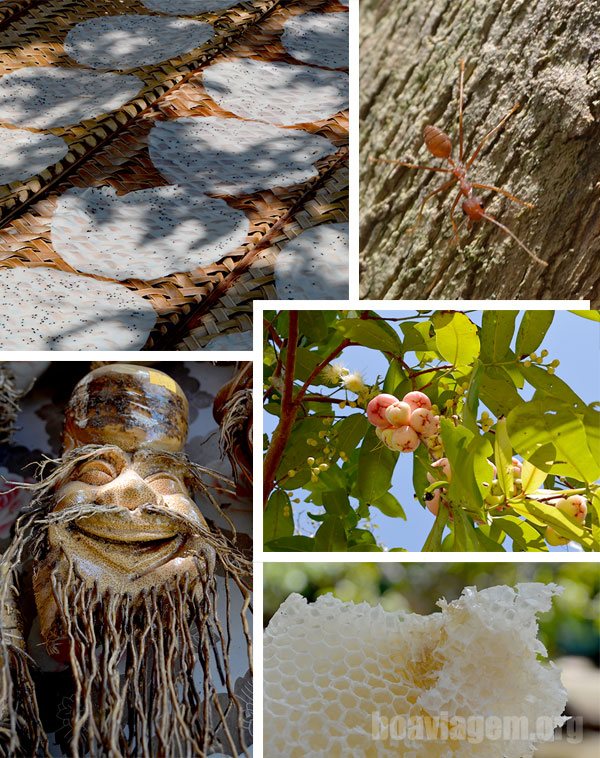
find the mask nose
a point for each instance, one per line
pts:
(128, 491)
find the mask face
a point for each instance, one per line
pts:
(123, 520)
(143, 523)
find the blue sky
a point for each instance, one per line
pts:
(575, 341)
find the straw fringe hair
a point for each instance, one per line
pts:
(9, 404)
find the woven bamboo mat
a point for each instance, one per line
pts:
(112, 151)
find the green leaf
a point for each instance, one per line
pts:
(350, 431)
(487, 542)
(591, 423)
(337, 503)
(456, 338)
(553, 438)
(396, 381)
(497, 329)
(418, 337)
(591, 315)
(503, 457)
(524, 536)
(472, 399)
(376, 465)
(298, 449)
(331, 535)
(433, 543)
(297, 544)
(465, 536)
(306, 360)
(313, 325)
(595, 514)
(389, 506)
(532, 331)
(548, 514)
(373, 333)
(531, 477)
(362, 539)
(462, 447)
(497, 391)
(278, 519)
(550, 385)
(421, 464)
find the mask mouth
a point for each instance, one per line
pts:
(131, 542)
(128, 526)
(93, 550)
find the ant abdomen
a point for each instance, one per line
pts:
(438, 142)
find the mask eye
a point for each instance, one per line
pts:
(165, 484)
(96, 473)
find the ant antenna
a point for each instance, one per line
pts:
(487, 217)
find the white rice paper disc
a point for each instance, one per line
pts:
(231, 341)
(280, 93)
(229, 156)
(188, 7)
(24, 154)
(46, 97)
(320, 38)
(46, 309)
(124, 42)
(314, 265)
(144, 234)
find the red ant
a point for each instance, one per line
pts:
(439, 145)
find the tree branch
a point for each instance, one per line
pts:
(289, 411)
(319, 367)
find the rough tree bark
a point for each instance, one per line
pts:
(544, 54)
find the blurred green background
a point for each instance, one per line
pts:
(571, 628)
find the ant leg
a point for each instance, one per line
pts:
(456, 238)
(460, 108)
(505, 193)
(489, 134)
(444, 186)
(411, 165)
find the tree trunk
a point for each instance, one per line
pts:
(544, 54)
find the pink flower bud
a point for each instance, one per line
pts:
(444, 463)
(404, 439)
(433, 504)
(376, 409)
(398, 414)
(517, 468)
(424, 422)
(554, 538)
(417, 400)
(385, 435)
(574, 506)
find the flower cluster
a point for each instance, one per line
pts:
(539, 360)
(403, 424)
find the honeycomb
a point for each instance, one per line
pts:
(465, 682)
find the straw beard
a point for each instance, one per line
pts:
(146, 665)
(9, 404)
